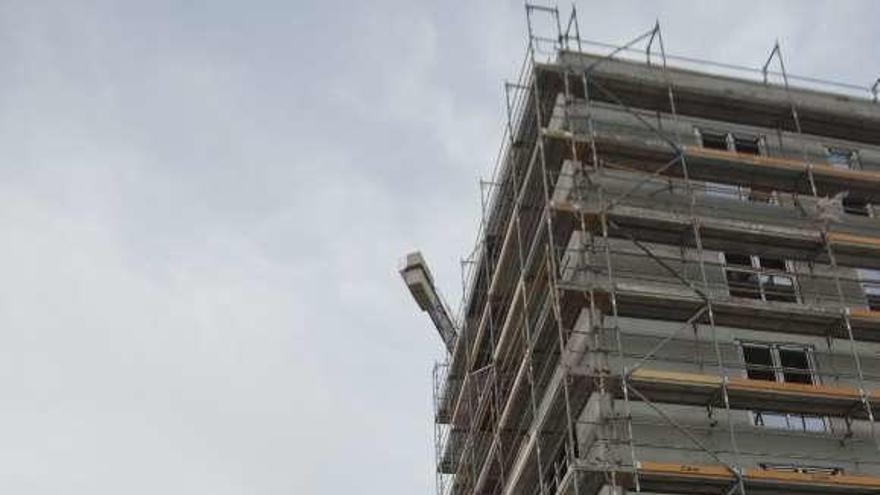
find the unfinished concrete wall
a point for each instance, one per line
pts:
(629, 265)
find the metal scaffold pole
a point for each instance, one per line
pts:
(864, 394)
(612, 226)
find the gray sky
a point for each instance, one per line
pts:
(203, 205)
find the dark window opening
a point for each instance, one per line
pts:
(743, 284)
(748, 145)
(795, 366)
(759, 363)
(855, 206)
(738, 259)
(773, 263)
(761, 196)
(714, 140)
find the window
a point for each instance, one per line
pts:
(747, 144)
(714, 140)
(759, 362)
(783, 363)
(843, 158)
(759, 277)
(742, 278)
(790, 468)
(726, 141)
(741, 143)
(795, 366)
(757, 195)
(856, 206)
(870, 282)
(730, 191)
(741, 193)
(738, 259)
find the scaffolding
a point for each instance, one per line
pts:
(584, 234)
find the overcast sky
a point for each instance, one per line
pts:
(203, 205)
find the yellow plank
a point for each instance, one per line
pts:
(718, 472)
(795, 165)
(645, 374)
(748, 385)
(864, 312)
(701, 471)
(794, 388)
(854, 239)
(784, 163)
(860, 480)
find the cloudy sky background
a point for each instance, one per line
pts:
(203, 204)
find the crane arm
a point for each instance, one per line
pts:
(418, 279)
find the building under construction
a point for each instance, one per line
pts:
(675, 287)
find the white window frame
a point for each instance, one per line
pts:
(757, 418)
(763, 277)
(730, 138)
(734, 191)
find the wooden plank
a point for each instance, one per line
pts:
(858, 480)
(854, 240)
(749, 385)
(805, 389)
(864, 312)
(675, 377)
(784, 163)
(707, 472)
(701, 471)
(732, 156)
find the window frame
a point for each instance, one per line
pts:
(731, 138)
(735, 191)
(744, 194)
(869, 209)
(757, 417)
(794, 468)
(853, 160)
(702, 131)
(758, 140)
(763, 276)
(835, 157)
(869, 281)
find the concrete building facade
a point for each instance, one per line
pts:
(675, 288)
